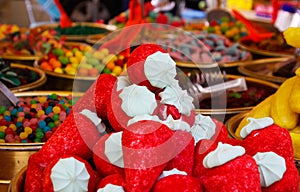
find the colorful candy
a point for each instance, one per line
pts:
(33, 119)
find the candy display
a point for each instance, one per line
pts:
(159, 142)
(33, 119)
(210, 47)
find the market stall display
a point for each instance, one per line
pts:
(134, 126)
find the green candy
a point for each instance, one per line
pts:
(2, 135)
(55, 117)
(51, 124)
(2, 109)
(64, 60)
(39, 135)
(53, 96)
(58, 52)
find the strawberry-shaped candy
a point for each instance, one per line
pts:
(184, 161)
(75, 136)
(101, 161)
(151, 66)
(203, 147)
(230, 169)
(76, 173)
(178, 183)
(104, 87)
(34, 173)
(276, 174)
(146, 151)
(114, 179)
(117, 118)
(262, 135)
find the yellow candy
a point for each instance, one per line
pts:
(40, 113)
(2, 141)
(2, 128)
(23, 135)
(117, 70)
(28, 130)
(20, 119)
(33, 105)
(42, 99)
(292, 35)
(58, 70)
(69, 54)
(6, 113)
(74, 60)
(70, 70)
(56, 110)
(13, 127)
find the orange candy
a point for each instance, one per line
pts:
(110, 65)
(46, 66)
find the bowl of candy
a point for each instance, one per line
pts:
(275, 46)
(27, 125)
(79, 31)
(18, 77)
(80, 62)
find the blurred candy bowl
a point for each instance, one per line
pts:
(78, 31)
(18, 77)
(25, 128)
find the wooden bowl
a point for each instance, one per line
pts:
(30, 86)
(14, 156)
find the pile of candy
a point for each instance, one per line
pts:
(33, 119)
(233, 30)
(7, 29)
(188, 48)
(82, 60)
